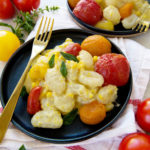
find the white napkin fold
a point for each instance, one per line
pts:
(138, 57)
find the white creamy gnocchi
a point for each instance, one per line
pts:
(65, 85)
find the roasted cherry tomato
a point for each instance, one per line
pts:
(73, 48)
(143, 115)
(26, 5)
(135, 141)
(114, 68)
(92, 113)
(88, 11)
(33, 104)
(6, 9)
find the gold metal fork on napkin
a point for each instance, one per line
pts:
(39, 44)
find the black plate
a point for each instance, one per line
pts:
(119, 31)
(22, 120)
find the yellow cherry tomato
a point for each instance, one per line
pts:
(9, 43)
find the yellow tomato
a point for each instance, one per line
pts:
(9, 43)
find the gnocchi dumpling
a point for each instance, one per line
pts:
(91, 79)
(73, 70)
(47, 119)
(107, 94)
(86, 58)
(65, 103)
(112, 14)
(48, 103)
(80, 90)
(130, 21)
(55, 81)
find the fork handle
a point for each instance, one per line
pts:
(8, 111)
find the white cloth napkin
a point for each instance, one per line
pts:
(138, 57)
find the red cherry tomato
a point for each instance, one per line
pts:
(73, 48)
(6, 9)
(135, 141)
(114, 68)
(88, 11)
(33, 104)
(26, 5)
(143, 115)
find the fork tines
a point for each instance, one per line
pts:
(46, 26)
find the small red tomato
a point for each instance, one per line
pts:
(88, 11)
(73, 48)
(6, 9)
(143, 115)
(114, 68)
(33, 104)
(135, 141)
(26, 5)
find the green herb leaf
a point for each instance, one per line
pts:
(51, 61)
(22, 147)
(23, 92)
(69, 56)
(63, 69)
(69, 118)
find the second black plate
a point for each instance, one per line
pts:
(119, 31)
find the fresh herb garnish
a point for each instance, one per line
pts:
(23, 92)
(69, 56)
(26, 21)
(63, 69)
(51, 61)
(69, 118)
(22, 147)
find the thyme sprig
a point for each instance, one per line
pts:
(26, 21)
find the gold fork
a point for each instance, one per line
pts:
(141, 24)
(39, 44)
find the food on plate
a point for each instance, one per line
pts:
(7, 9)
(9, 43)
(135, 141)
(73, 3)
(73, 49)
(33, 103)
(113, 12)
(130, 21)
(114, 68)
(88, 11)
(92, 113)
(143, 115)
(105, 24)
(96, 45)
(62, 82)
(26, 5)
(126, 10)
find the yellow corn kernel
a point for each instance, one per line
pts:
(34, 84)
(80, 65)
(74, 66)
(49, 94)
(71, 95)
(95, 58)
(100, 97)
(109, 106)
(91, 95)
